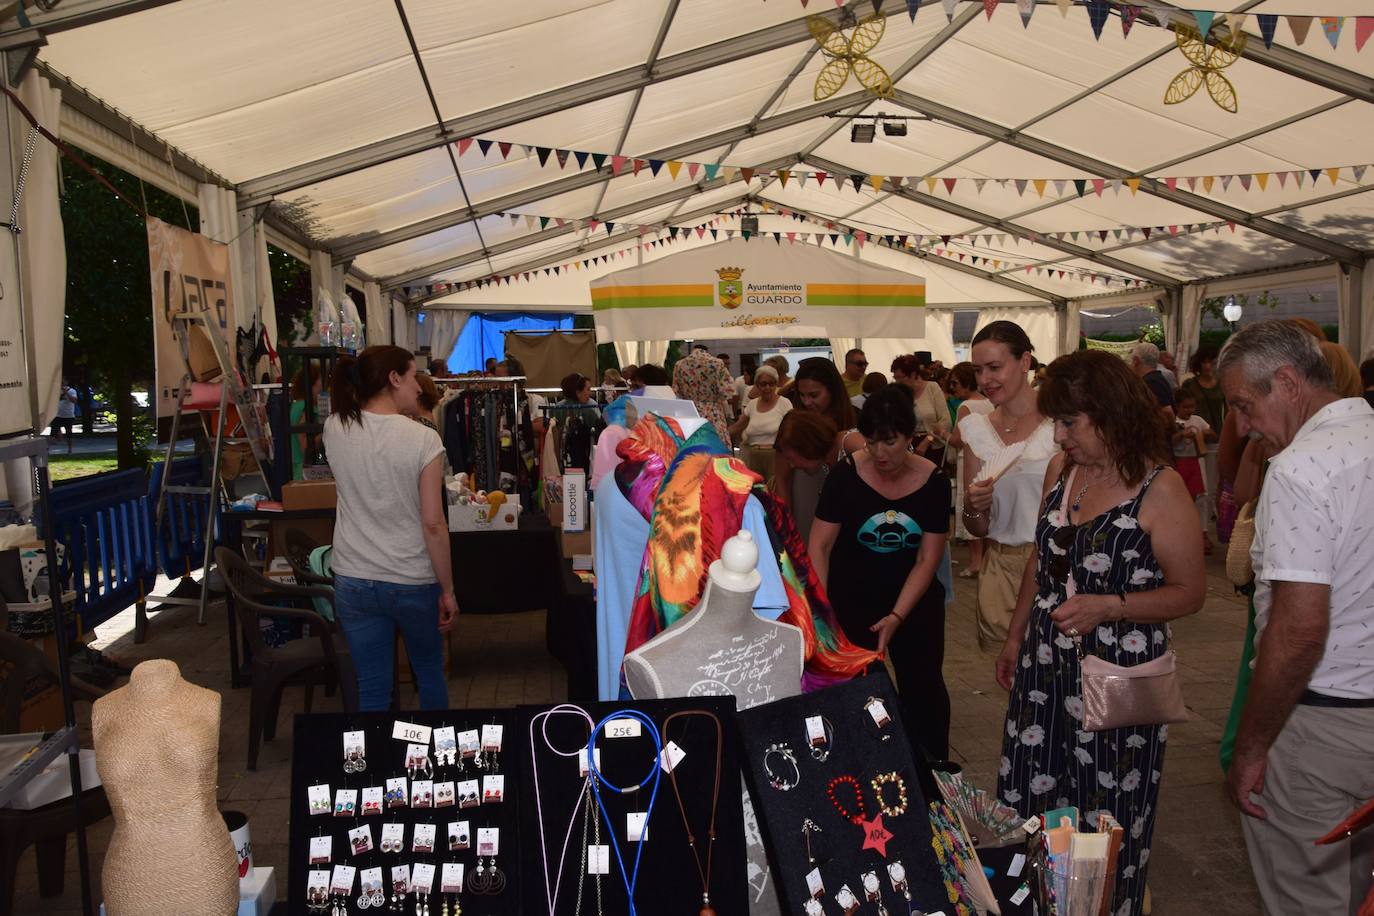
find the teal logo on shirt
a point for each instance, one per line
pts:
(890, 531)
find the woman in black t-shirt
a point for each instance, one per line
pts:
(876, 543)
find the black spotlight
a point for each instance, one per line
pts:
(862, 132)
(894, 128)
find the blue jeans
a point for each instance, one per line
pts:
(370, 611)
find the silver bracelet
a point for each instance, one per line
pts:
(968, 514)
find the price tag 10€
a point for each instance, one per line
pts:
(409, 731)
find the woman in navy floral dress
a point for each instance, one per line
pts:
(1115, 560)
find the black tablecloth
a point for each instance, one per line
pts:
(500, 571)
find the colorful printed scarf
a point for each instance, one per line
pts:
(693, 493)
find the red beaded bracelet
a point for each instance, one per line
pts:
(846, 779)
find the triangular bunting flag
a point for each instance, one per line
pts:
(463, 145)
(1333, 174)
(1298, 177)
(1173, 230)
(1027, 9)
(1133, 184)
(1102, 235)
(1364, 27)
(729, 172)
(747, 175)
(930, 184)
(949, 185)
(543, 222)
(673, 168)
(562, 155)
(1098, 10)
(978, 184)
(1129, 14)
(949, 8)
(1300, 26)
(783, 175)
(1020, 186)
(1064, 7)
(484, 146)
(692, 168)
(1145, 231)
(1315, 174)
(876, 181)
(1039, 186)
(1099, 185)
(1283, 179)
(1192, 183)
(1204, 21)
(710, 170)
(1268, 23)
(912, 7)
(1080, 185)
(505, 149)
(1059, 185)
(617, 164)
(1207, 183)
(1226, 182)
(1332, 25)
(989, 7)
(654, 166)
(1262, 178)
(1358, 172)
(857, 181)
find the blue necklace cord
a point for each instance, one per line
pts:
(631, 878)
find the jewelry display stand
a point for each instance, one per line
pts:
(822, 815)
(670, 870)
(320, 758)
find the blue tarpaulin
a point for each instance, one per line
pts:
(484, 336)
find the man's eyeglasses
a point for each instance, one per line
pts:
(861, 363)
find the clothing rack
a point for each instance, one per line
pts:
(514, 384)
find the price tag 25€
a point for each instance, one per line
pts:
(622, 728)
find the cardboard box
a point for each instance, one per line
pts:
(479, 517)
(55, 783)
(309, 494)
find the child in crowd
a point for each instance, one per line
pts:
(1191, 435)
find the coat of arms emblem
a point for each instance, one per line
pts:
(730, 290)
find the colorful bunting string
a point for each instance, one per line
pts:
(1165, 16)
(1079, 187)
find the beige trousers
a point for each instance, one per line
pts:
(1320, 770)
(998, 584)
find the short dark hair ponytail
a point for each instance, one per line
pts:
(358, 379)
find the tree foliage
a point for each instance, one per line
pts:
(109, 333)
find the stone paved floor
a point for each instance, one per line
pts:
(1198, 864)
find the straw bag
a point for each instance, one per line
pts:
(1239, 567)
(1119, 697)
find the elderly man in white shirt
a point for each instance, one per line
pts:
(1304, 757)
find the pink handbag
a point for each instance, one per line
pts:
(1119, 697)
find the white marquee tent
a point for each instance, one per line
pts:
(486, 156)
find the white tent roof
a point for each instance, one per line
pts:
(331, 111)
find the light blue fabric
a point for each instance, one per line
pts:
(621, 535)
(484, 336)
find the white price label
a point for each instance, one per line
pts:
(622, 728)
(416, 755)
(878, 711)
(598, 860)
(422, 878)
(637, 826)
(493, 789)
(451, 878)
(321, 850)
(409, 731)
(1018, 862)
(815, 730)
(1031, 825)
(814, 885)
(355, 741)
(423, 839)
(670, 757)
(1021, 894)
(318, 796)
(491, 737)
(488, 841)
(582, 761)
(341, 882)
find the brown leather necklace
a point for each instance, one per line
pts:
(703, 871)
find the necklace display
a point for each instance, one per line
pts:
(703, 871)
(551, 889)
(589, 819)
(598, 781)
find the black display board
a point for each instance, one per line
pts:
(860, 749)
(669, 882)
(318, 759)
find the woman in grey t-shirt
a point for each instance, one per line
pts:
(391, 559)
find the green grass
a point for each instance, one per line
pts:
(68, 467)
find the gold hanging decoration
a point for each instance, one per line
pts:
(848, 55)
(1207, 60)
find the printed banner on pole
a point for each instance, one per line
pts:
(757, 289)
(190, 273)
(1121, 348)
(15, 410)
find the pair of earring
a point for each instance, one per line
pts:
(317, 899)
(446, 756)
(486, 879)
(421, 904)
(390, 845)
(371, 898)
(354, 761)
